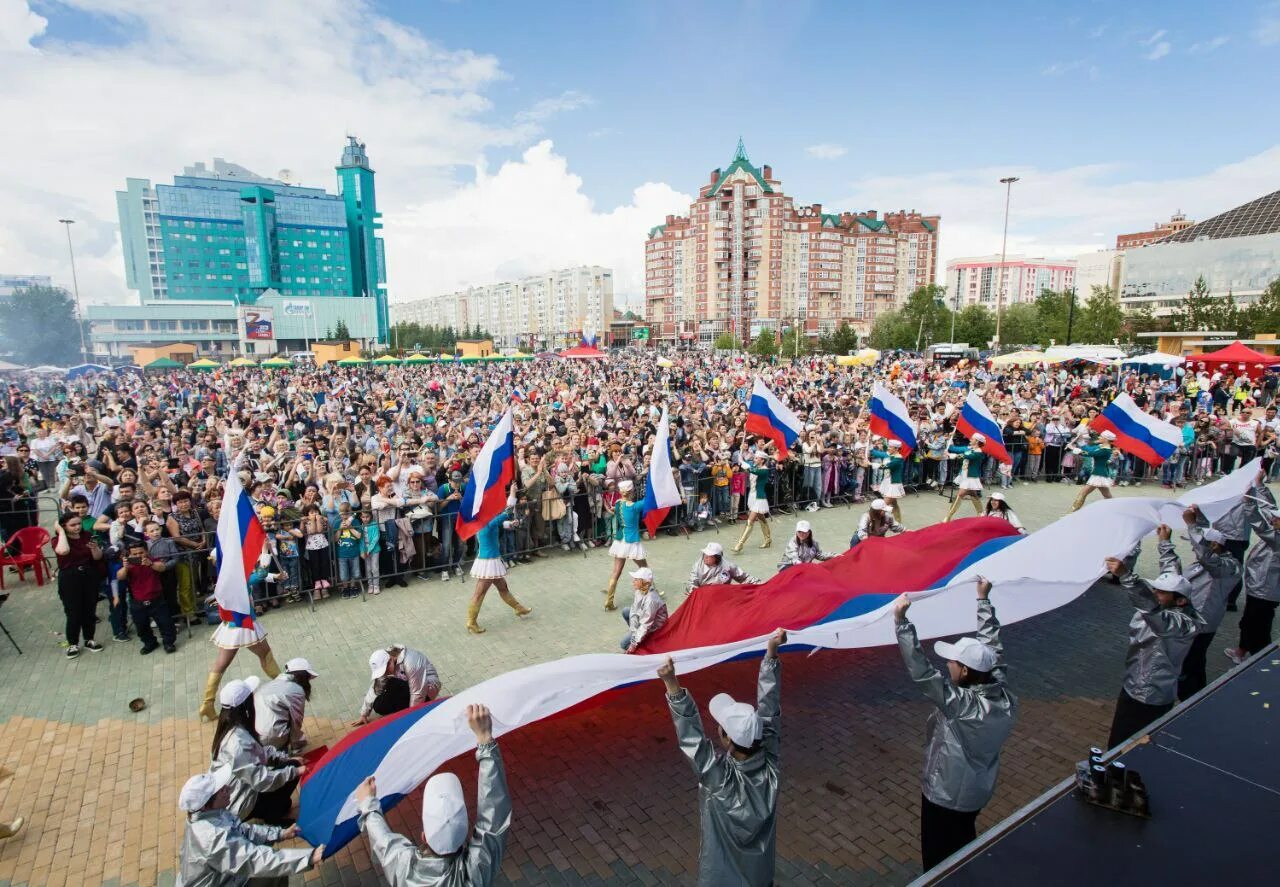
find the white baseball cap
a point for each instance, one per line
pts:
(803, 527)
(1172, 582)
(444, 814)
(739, 720)
(1212, 535)
(253, 682)
(881, 505)
(624, 485)
(200, 789)
(713, 549)
(378, 660)
(998, 497)
(300, 664)
(644, 573)
(894, 444)
(978, 438)
(1108, 435)
(970, 652)
(234, 693)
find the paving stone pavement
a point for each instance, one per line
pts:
(601, 796)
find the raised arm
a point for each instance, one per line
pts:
(989, 627)
(769, 694)
(243, 857)
(493, 802)
(707, 766)
(936, 688)
(1165, 623)
(1169, 560)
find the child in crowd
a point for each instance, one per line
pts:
(348, 537)
(370, 545)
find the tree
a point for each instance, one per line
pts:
(1263, 316)
(1201, 311)
(727, 342)
(1052, 315)
(765, 344)
(1101, 320)
(975, 325)
(1143, 320)
(1019, 325)
(795, 343)
(340, 331)
(843, 341)
(38, 325)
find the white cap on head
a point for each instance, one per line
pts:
(1108, 435)
(253, 682)
(644, 574)
(997, 497)
(378, 660)
(714, 549)
(894, 444)
(200, 789)
(803, 527)
(1172, 582)
(739, 720)
(300, 664)
(234, 693)
(881, 505)
(978, 438)
(624, 485)
(1212, 535)
(444, 814)
(969, 652)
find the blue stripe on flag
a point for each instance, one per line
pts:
(1129, 427)
(760, 407)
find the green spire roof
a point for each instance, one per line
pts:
(740, 161)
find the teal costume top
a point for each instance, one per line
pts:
(972, 460)
(626, 520)
(488, 537)
(759, 480)
(1101, 457)
(894, 466)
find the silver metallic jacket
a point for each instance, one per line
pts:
(798, 553)
(219, 850)
(477, 862)
(250, 762)
(964, 736)
(738, 799)
(1159, 639)
(1262, 564)
(278, 707)
(1234, 524)
(722, 573)
(1212, 577)
(416, 668)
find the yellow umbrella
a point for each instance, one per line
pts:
(663, 362)
(242, 362)
(1018, 358)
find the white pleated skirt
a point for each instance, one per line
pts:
(1098, 481)
(890, 490)
(488, 568)
(627, 550)
(970, 483)
(228, 637)
(758, 506)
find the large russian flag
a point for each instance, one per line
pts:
(237, 547)
(843, 603)
(661, 493)
(486, 494)
(975, 418)
(890, 419)
(1150, 439)
(769, 417)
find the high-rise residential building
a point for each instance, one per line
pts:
(748, 259)
(1236, 252)
(1159, 231)
(978, 280)
(548, 310)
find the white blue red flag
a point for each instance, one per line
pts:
(975, 418)
(661, 492)
(890, 419)
(1150, 439)
(486, 494)
(769, 417)
(237, 548)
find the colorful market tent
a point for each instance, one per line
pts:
(387, 360)
(277, 363)
(862, 358)
(417, 358)
(85, 369)
(242, 362)
(203, 363)
(1229, 359)
(163, 363)
(1018, 358)
(547, 355)
(1102, 354)
(584, 352)
(352, 362)
(1155, 358)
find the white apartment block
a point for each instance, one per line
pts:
(978, 280)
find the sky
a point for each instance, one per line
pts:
(512, 138)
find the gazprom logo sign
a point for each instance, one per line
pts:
(296, 309)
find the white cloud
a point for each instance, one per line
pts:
(1154, 38)
(1268, 30)
(529, 216)
(569, 100)
(1208, 45)
(1058, 69)
(826, 151)
(1057, 213)
(1158, 48)
(19, 25)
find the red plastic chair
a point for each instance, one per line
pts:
(25, 549)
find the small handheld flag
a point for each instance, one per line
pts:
(769, 417)
(890, 419)
(660, 491)
(975, 418)
(486, 494)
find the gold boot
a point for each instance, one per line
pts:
(746, 531)
(9, 829)
(951, 512)
(977, 507)
(269, 666)
(473, 612)
(768, 534)
(207, 710)
(510, 600)
(1079, 503)
(897, 512)
(608, 601)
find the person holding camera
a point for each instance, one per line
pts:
(147, 603)
(79, 579)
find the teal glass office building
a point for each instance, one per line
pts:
(229, 235)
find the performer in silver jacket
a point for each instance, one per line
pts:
(280, 705)
(1261, 574)
(803, 548)
(218, 850)
(738, 787)
(1163, 626)
(402, 663)
(263, 778)
(712, 569)
(974, 716)
(448, 857)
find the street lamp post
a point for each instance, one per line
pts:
(75, 285)
(1071, 313)
(1004, 241)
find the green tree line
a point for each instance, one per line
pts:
(429, 337)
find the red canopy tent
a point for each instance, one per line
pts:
(584, 352)
(1229, 359)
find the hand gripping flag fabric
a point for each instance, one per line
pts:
(852, 609)
(769, 417)
(661, 492)
(975, 418)
(237, 547)
(1150, 439)
(486, 494)
(890, 419)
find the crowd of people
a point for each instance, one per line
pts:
(356, 476)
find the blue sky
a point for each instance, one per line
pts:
(512, 137)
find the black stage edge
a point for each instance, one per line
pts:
(1212, 768)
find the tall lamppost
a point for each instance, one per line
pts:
(1004, 241)
(75, 284)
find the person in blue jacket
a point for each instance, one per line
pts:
(625, 524)
(489, 570)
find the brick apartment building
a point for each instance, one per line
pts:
(1178, 222)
